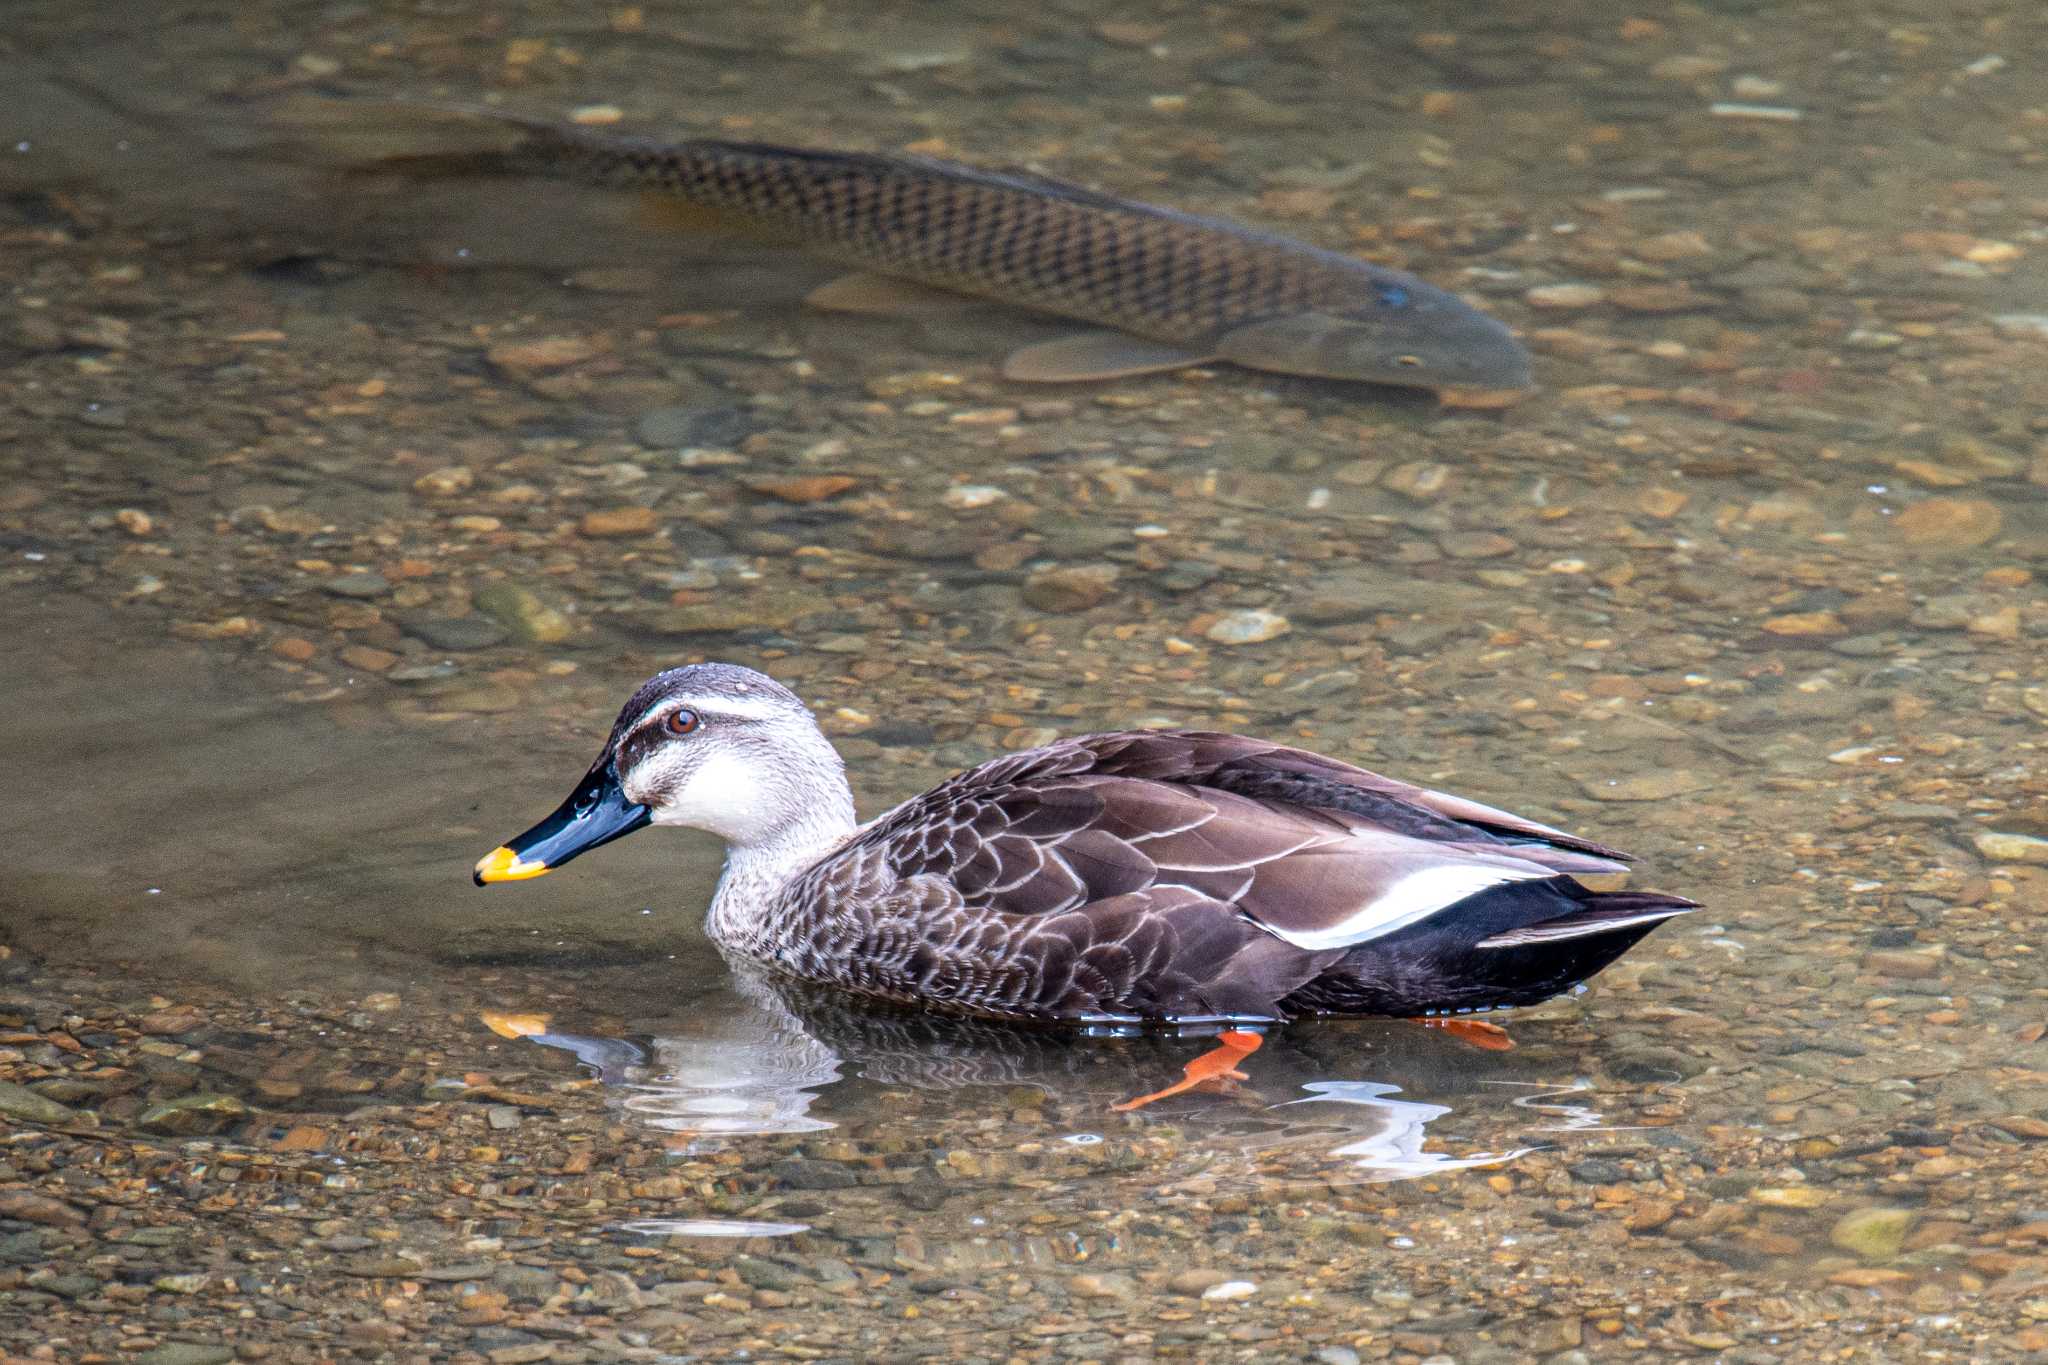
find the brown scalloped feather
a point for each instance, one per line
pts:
(1170, 874)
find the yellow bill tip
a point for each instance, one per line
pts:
(503, 865)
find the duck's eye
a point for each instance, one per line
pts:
(683, 722)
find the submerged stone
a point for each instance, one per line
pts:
(190, 1115)
(1874, 1234)
(24, 1105)
(521, 611)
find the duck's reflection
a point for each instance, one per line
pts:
(759, 1059)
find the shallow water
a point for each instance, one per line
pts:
(336, 522)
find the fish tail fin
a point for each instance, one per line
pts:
(409, 138)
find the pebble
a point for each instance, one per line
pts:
(1906, 964)
(1069, 588)
(163, 1023)
(1420, 480)
(1789, 1197)
(680, 428)
(39, 1209)
(443, 483)
(367, 657)
(357, 585)
(618, 521)
(2022, 324)
(193, 1115)
(1197, 1281)
(1248, 627)
(522, 612)
(965, 497)
(1108, 1286)
(1875, 1234)
(1230, 1291)
(746, 611)
(1475, 544)
(187, 1353)
(542, 354)
(455, 633)
(1555, 297)
(1806, 624)
(1949, 524)
(806, 488)
(24, 1105)
(2001, 847)
(1658, 784)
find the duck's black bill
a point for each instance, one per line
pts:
(597, 812)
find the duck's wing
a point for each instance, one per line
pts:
(1281, 773)
(1315, 853)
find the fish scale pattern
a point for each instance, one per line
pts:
(1153, 272)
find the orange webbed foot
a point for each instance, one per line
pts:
(1219, 1063)
(507, 1024)
(1477, 1032)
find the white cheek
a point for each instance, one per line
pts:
(723, 794)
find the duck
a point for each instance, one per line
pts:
(1140, 875)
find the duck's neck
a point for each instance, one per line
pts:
(757, 870)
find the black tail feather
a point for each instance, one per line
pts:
(1510, 945)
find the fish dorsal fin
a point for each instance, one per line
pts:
(901, 163)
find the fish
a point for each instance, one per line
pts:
(1165, 289)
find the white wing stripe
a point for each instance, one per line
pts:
(1543, 933)
(1414, 897)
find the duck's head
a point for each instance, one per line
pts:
(711, 746)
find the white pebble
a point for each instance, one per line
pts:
(1249, 627)
(1230, 1291)
(1770, 113)
(969, 495)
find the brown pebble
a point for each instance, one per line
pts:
(1904, 964)
(1950, 523)
(1069, 587)
(1661, 503)
(544, 353)
(36, 1208)
(170, 1021)
(1808, 624)
(1475, 544)
(1300, 203)
(618, 521)
(368, 658)
(1561, 296)
(294, 649)
(2023, 1126)
(1651, 1214)
(1195, 1282)
(441, 483)
(804, 488)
